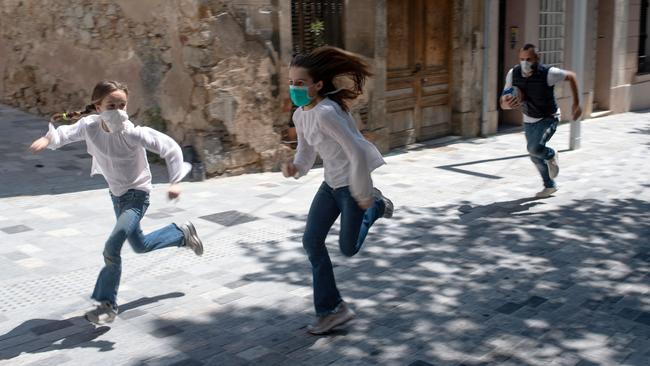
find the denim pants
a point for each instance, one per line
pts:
(537, 135)
(328, 204)
(129, 210)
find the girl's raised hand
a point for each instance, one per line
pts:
(174, 191)
(39, 145)
(289, 170)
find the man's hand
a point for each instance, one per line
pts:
(39, 145)
(510, 102)
(174, 191)
(289, 170)
(577, 111)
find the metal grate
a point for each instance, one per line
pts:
(551, 32)
(316, 23)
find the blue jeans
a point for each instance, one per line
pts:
(328, 204)
(537, 135)
(129, 210)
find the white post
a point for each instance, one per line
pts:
(578, 48)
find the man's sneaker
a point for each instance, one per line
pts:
(554, 165)
(104, 313)
(546, 192)
(192, 239)
(324, 324)
(388, 212)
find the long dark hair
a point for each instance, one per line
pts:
(101, 90)
(326, 63)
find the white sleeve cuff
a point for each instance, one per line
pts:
(186, 168)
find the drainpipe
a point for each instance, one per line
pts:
(486, 67)
(578, 57)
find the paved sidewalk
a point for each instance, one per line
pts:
(471, 270)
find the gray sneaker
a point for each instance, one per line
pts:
(554, 165)
(192, 240)
(104, 313)
(388, 212)
(325, 324)
(546, 192)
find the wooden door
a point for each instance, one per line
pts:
(417, 90)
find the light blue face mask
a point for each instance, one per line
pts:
(300, 95)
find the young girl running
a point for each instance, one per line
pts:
(325, 126)
(119, 149)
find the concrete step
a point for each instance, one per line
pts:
(600, 113)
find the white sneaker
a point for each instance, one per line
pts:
(554, 165)
(192, 240)
(546, 192)
(324, 324)
(104, 313)
(388, 212)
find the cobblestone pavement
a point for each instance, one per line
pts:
(470, 271)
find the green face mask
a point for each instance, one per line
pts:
(300, 95)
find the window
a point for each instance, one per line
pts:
(316, 23)
(644, 44)
(551, 32)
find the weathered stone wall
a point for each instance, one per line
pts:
(466, 67)
(204, 71)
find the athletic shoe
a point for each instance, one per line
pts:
(192, 240)
(546, 192)
(104, 313)
(325, 324)
(388, 212)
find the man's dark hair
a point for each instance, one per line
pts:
(528, 46)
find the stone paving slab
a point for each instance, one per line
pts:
(470, 271)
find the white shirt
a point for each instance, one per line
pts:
(121, 157)
(348, 158)
(555, 76)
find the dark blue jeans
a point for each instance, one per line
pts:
(129, 210)
(328, 204)
(537, 135)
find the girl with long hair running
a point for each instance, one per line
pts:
(325, 126)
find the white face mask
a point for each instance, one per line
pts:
(526, 67)
(115, 119)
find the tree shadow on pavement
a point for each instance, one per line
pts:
(563, 284)
(642, 131)
(45, 335)
(645, 130)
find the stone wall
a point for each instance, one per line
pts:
(466, 67)
(203, 71)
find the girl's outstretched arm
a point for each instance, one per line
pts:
(58, 137)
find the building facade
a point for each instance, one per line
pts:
(440, 65)
(613, 73)
(214, 73)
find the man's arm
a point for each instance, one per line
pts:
(573, 81)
